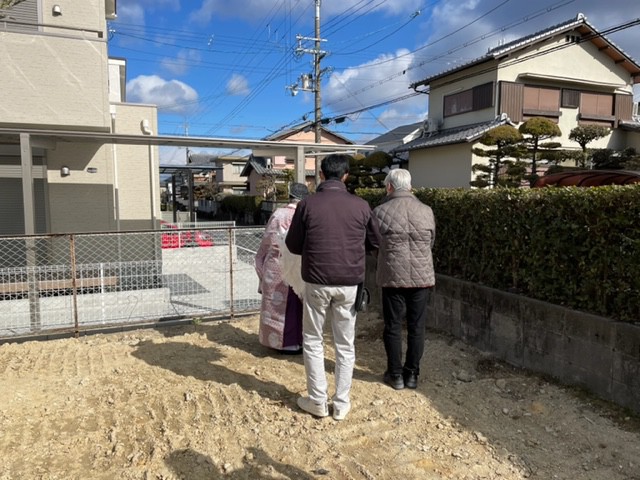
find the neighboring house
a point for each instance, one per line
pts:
(303, 133)
(397, 137)
(57, 77)
(227, 173)
(570, 73)
(257, 169)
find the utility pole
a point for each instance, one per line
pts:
(318, 98)
(310, 82)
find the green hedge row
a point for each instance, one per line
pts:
(578, 247)
(240, 204)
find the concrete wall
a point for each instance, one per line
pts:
(575, 348)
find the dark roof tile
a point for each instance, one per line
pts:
(464, 134)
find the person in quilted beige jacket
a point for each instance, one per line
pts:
(405, 273)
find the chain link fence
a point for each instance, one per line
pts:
(69, 283)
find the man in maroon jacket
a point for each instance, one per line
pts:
(332, 230)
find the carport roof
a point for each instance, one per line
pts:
(173, 169)
(10, 135)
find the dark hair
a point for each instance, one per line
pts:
(335, 166)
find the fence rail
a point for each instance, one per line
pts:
(68, 283)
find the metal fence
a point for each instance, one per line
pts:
(69, 283)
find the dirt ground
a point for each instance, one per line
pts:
(206, 401)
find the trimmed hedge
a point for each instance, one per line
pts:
(577, 247)
(240, 204)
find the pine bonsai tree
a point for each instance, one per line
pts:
(503, 168)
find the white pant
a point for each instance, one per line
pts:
(337, 304)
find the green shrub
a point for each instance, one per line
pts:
(578, 247)
(240, 204)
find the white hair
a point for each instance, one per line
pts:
(399, 179)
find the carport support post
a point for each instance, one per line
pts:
(29, 229)
(300, 162)
(27, 184)
(174, 201)
(192, 213)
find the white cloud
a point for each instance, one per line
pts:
(132, 13)
(373, 83)
(251, 10)
(182, 62)
(392, 7)
(171, 96)
(238, 85)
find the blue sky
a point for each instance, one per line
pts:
(221, 68)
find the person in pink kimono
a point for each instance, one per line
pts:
(281, 309)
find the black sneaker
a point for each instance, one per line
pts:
(410, 380)
(394, 381)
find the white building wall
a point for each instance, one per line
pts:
(473, 77)
(57, 77)
(632, 140)
(574, 65)
(81, 201)
(138, 173)
(579, 66)
(441, 167)
(110, 187)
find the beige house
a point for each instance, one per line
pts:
(569, 73)
(263, 161)
(57, 79)
(225, 173)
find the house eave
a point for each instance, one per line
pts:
(573, 81)
(579, 24)
(453, 136)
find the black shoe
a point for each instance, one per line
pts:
(410, 380)
(394, 381)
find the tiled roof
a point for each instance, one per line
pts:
(631, 126)
(397, 134)
(526, 41)
(259, 164)
(464, 134)
(284, 134)
(201, 158)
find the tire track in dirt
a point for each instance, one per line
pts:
(210, 402)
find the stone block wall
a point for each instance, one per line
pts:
(576, 348)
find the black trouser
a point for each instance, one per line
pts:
(395, 302)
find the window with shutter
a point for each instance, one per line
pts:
(596, 107)
(541, 102)
(475, 98)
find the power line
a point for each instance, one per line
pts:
(411, 18)
(603, 33)
(502, 29)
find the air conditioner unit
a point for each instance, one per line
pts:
(432, 125)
